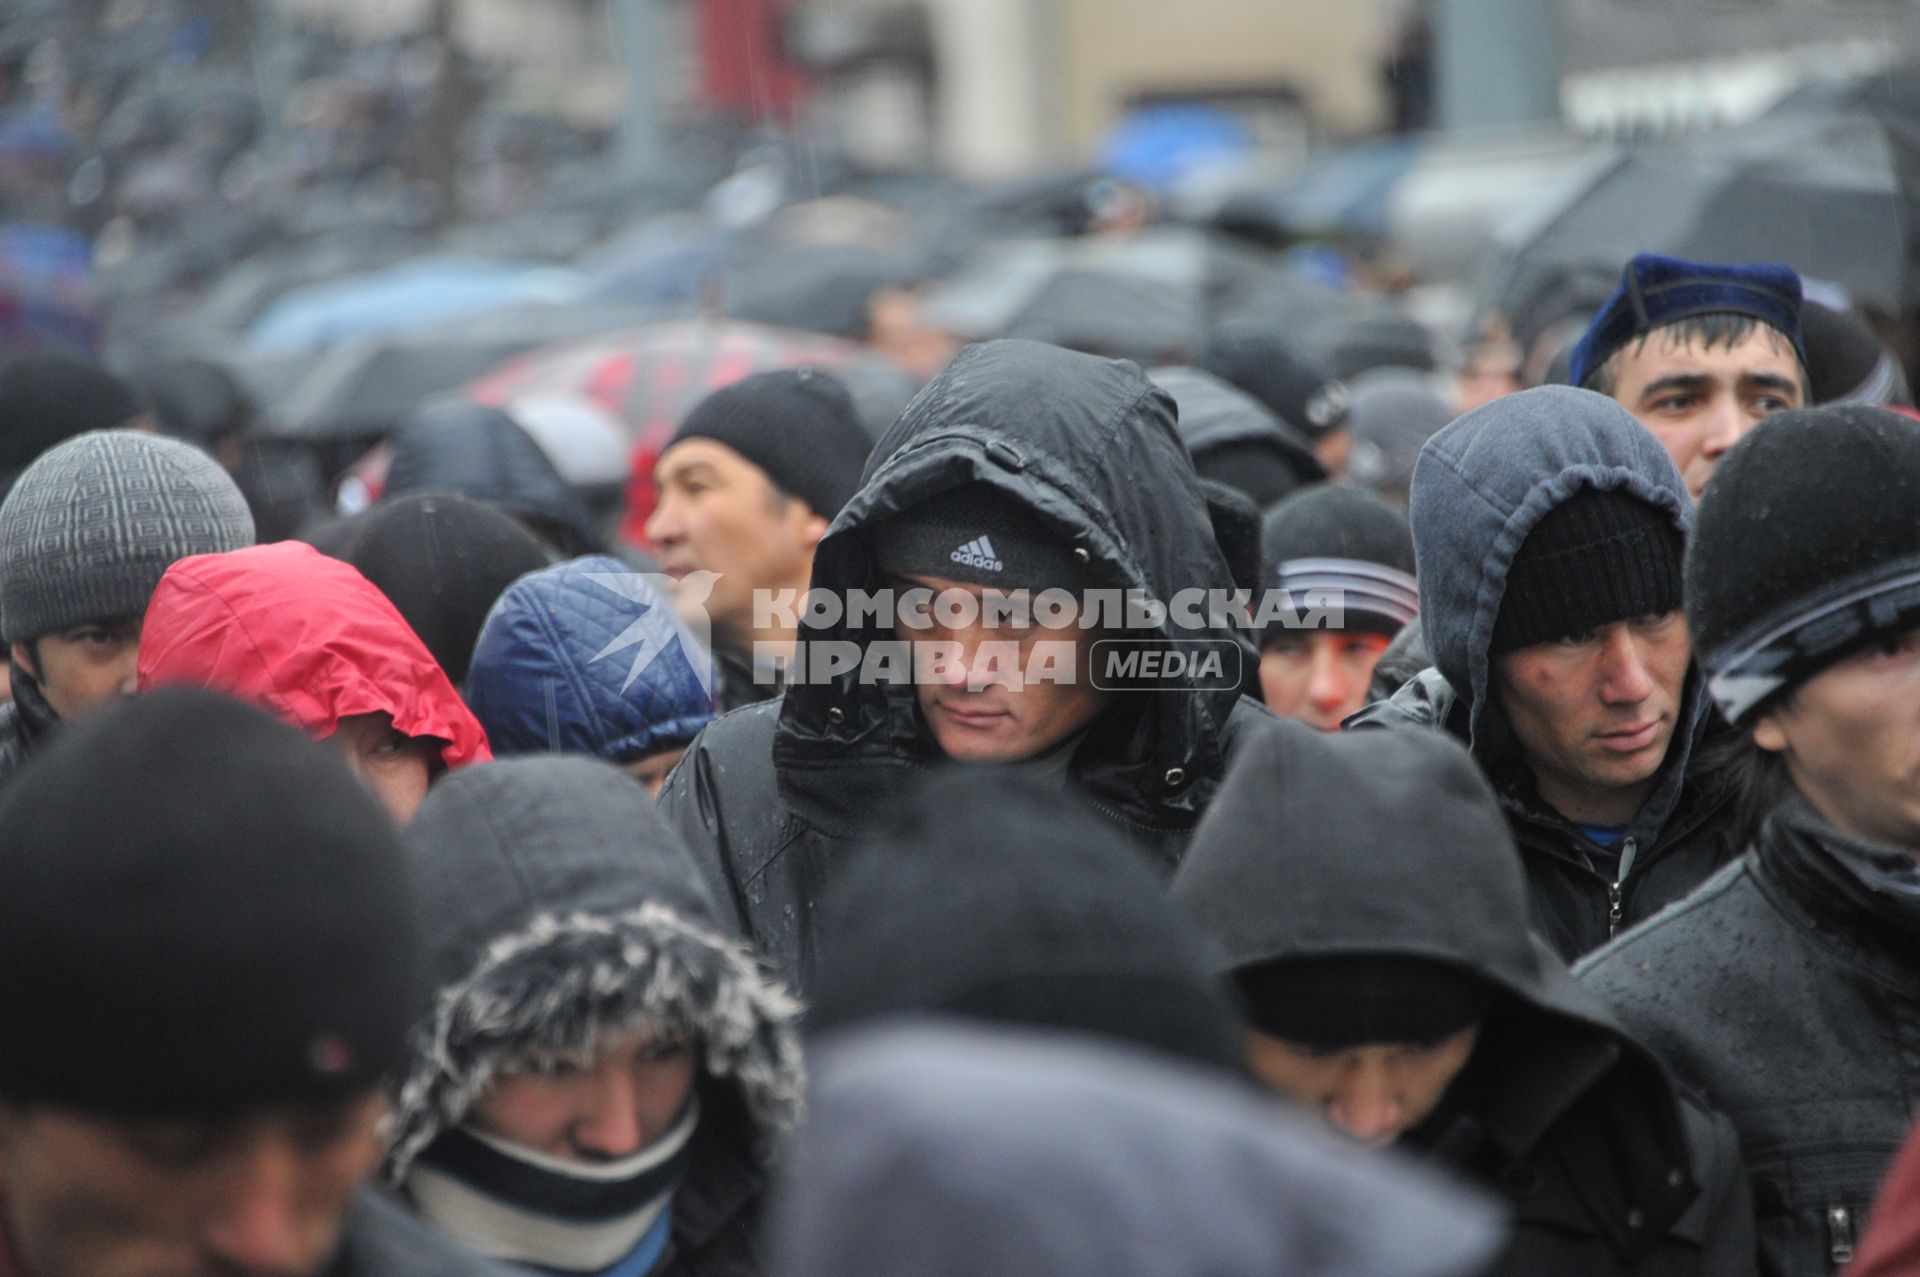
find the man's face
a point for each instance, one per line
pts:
(85, 667)
(1594, 713)
(395, 766)
(652, 771)
(616, 1105)
(1319, 676)
(1851, 739)
(1374, 1093)
(980, 706)
(718, 512)
(256, 1196)
(1699, 401)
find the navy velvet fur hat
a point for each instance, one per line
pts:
(1656, 291)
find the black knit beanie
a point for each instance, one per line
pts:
(1362, 999)
(798, 425)
(1806, 549)
(978, 534)
(202, 913)
(47, 398)
(1598, 557)
(1335, 537)
(443, 559)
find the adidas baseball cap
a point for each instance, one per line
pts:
(977, 534)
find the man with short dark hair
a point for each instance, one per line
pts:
(1698, 352)
(747, 487)
(1549, 529)
(1788, 987)
(206, 966)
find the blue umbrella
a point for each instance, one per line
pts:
(412, 295)
(47, 297)
(1157, 146)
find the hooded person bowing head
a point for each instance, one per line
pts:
(603, 1072)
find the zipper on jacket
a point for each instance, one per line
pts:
(1840, 1235)
(1616, 894)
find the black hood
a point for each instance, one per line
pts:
(1089, 446)
(1031, 910)
(482, 453)
(1393, 843)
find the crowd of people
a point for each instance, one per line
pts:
(1238, 809)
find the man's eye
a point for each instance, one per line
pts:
(392, 743)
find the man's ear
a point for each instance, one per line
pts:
(812, 528)
(23, 657)
(1768, 734)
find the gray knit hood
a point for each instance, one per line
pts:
(561, 913)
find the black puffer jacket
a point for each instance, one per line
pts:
(1482, 484)
(1788, 991)
(1089, 445)
(25, 723)
(1609, 1168)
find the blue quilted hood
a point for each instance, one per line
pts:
(551, 667)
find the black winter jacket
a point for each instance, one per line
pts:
(1481, 487)
(770, 796)
(1608, 1166)
(1789, 993)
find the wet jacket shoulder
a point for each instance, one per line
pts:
(1087, 444)
(1786, 993)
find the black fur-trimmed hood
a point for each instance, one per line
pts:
(561, 914)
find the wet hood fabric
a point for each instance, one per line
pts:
(553, 668)
(305, 637)
(1393, 843)
(1090, 446)
(937, 1151)
(566, 914)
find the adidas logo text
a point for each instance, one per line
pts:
(978, 553)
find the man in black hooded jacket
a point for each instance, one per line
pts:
(1075, 479)
(1548, 527)
(1363, 892)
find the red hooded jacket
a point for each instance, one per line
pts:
(306, 637)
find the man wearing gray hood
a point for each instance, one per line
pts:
(1548, 529)
(602, 1074)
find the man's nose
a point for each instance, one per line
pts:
(1367, 1106)
(611, 1126)
(1625, 678)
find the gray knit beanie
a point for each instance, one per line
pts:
(92, 525)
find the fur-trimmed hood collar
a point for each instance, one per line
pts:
(562, 913)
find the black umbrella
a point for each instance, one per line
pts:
(362, 388)
(1835, 196)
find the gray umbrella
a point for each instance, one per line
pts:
(1835, 196)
